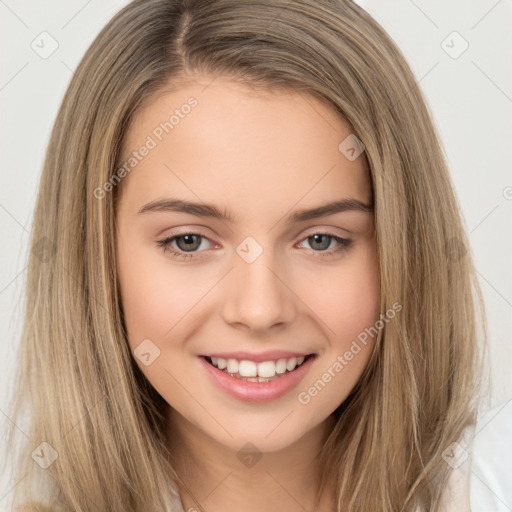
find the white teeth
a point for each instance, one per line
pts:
(258, 379)
(291, 364)
(257, 372)
(247, 369)
(232, 366)
(267, 369)
(281, 366)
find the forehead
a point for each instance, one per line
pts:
(220, 141)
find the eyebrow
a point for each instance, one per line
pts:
(210, 210)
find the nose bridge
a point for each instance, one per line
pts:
(257, 296)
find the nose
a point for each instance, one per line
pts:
(257, 296)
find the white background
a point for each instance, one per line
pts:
(470, 98)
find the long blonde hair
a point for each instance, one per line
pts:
(77, 380)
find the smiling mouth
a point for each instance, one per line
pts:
(251, 371)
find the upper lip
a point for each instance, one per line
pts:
(259, 357)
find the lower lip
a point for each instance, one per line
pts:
(257, 391)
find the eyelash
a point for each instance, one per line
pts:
(165, 244)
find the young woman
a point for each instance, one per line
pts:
(250, 286)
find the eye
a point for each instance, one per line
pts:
(323, 243)
(185, 244)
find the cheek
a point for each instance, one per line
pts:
(156, 294)
(155, 304)
(348, 308)
(354, 304)
(347, 303)
(346, 299)
(149, 305)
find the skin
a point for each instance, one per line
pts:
(261, 155)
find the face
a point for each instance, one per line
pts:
(244, 299)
